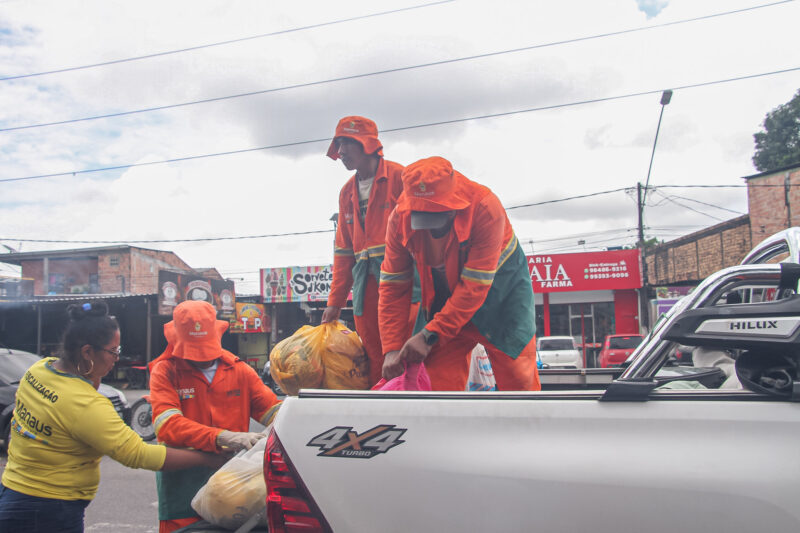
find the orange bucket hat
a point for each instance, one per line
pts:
(432, 185)
(361, 129)
(194, 332)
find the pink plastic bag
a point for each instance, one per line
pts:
(414, 378)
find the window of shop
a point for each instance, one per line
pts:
(587, 323)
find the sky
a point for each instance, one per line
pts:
(542, 101)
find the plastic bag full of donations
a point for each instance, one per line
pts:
(328, 356)
(237, 492)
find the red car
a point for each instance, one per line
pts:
(617, 348)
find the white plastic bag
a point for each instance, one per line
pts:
(481, 376)
(236, 492)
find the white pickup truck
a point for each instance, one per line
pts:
(658, 449)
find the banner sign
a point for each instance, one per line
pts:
(296, 284)
(250, 318)
(587, 271)
(174, 287)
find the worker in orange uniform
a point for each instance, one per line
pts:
(365, 202)
(203, 398)
(475, 283)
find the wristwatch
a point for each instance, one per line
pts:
(431, 337)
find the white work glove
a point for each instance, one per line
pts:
(236, 441)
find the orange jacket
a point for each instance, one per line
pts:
(480, 233)
(360, 249)
(190, 412)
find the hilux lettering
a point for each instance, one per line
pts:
(754, 324)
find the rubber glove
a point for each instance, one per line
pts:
(235, 440)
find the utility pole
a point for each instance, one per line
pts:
(644, 301)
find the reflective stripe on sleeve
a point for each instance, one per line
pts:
(484, 277)
(377, 250)
(163, 417)
(396, 277)
(346, 252)
(507, 251)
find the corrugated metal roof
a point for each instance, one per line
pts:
(72, 298)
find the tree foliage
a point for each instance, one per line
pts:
(778, 145)
(652, 242)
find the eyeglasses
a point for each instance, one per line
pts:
(117, 352)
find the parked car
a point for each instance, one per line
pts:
(13, 364)
(617, 348)
(559, 352)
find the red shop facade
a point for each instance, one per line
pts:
(587, 295)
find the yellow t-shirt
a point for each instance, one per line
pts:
(61, 429)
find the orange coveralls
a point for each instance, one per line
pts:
(358, 253)
(189, 412)
(480, 243)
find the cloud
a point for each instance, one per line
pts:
(651, 7)
(705, 137)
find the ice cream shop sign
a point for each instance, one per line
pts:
(588, 271)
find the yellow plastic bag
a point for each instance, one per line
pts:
(296, 361)
(346, 365)
(237, 492)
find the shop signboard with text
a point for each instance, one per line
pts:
(586, 271)
(175, 287)
(250, 318)
(296, 284)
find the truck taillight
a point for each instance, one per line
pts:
(290, 508)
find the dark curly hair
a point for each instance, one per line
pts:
(89, 323)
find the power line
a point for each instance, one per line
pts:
(671, 199)
(377, 73)
(222, 43)
(709, 205)
(200, 239)
(403, 128)
(565, 199)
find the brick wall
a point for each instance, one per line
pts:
(114, 271)
(68, 275)
(145, 265)
(693, 257)
(139, 267)
(34, 269)
(119, 269)
(767, 202)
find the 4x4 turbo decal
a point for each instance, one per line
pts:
(342, 441)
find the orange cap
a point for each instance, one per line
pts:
(361, 129)
(194, 332)
(432, 185)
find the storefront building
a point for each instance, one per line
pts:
(587, 295)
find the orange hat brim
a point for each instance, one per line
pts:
(371, 145)
(202, 351)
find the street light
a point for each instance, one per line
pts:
(666, 96)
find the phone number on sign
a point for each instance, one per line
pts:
(606, 276)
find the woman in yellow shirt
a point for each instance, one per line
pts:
(62, 427)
